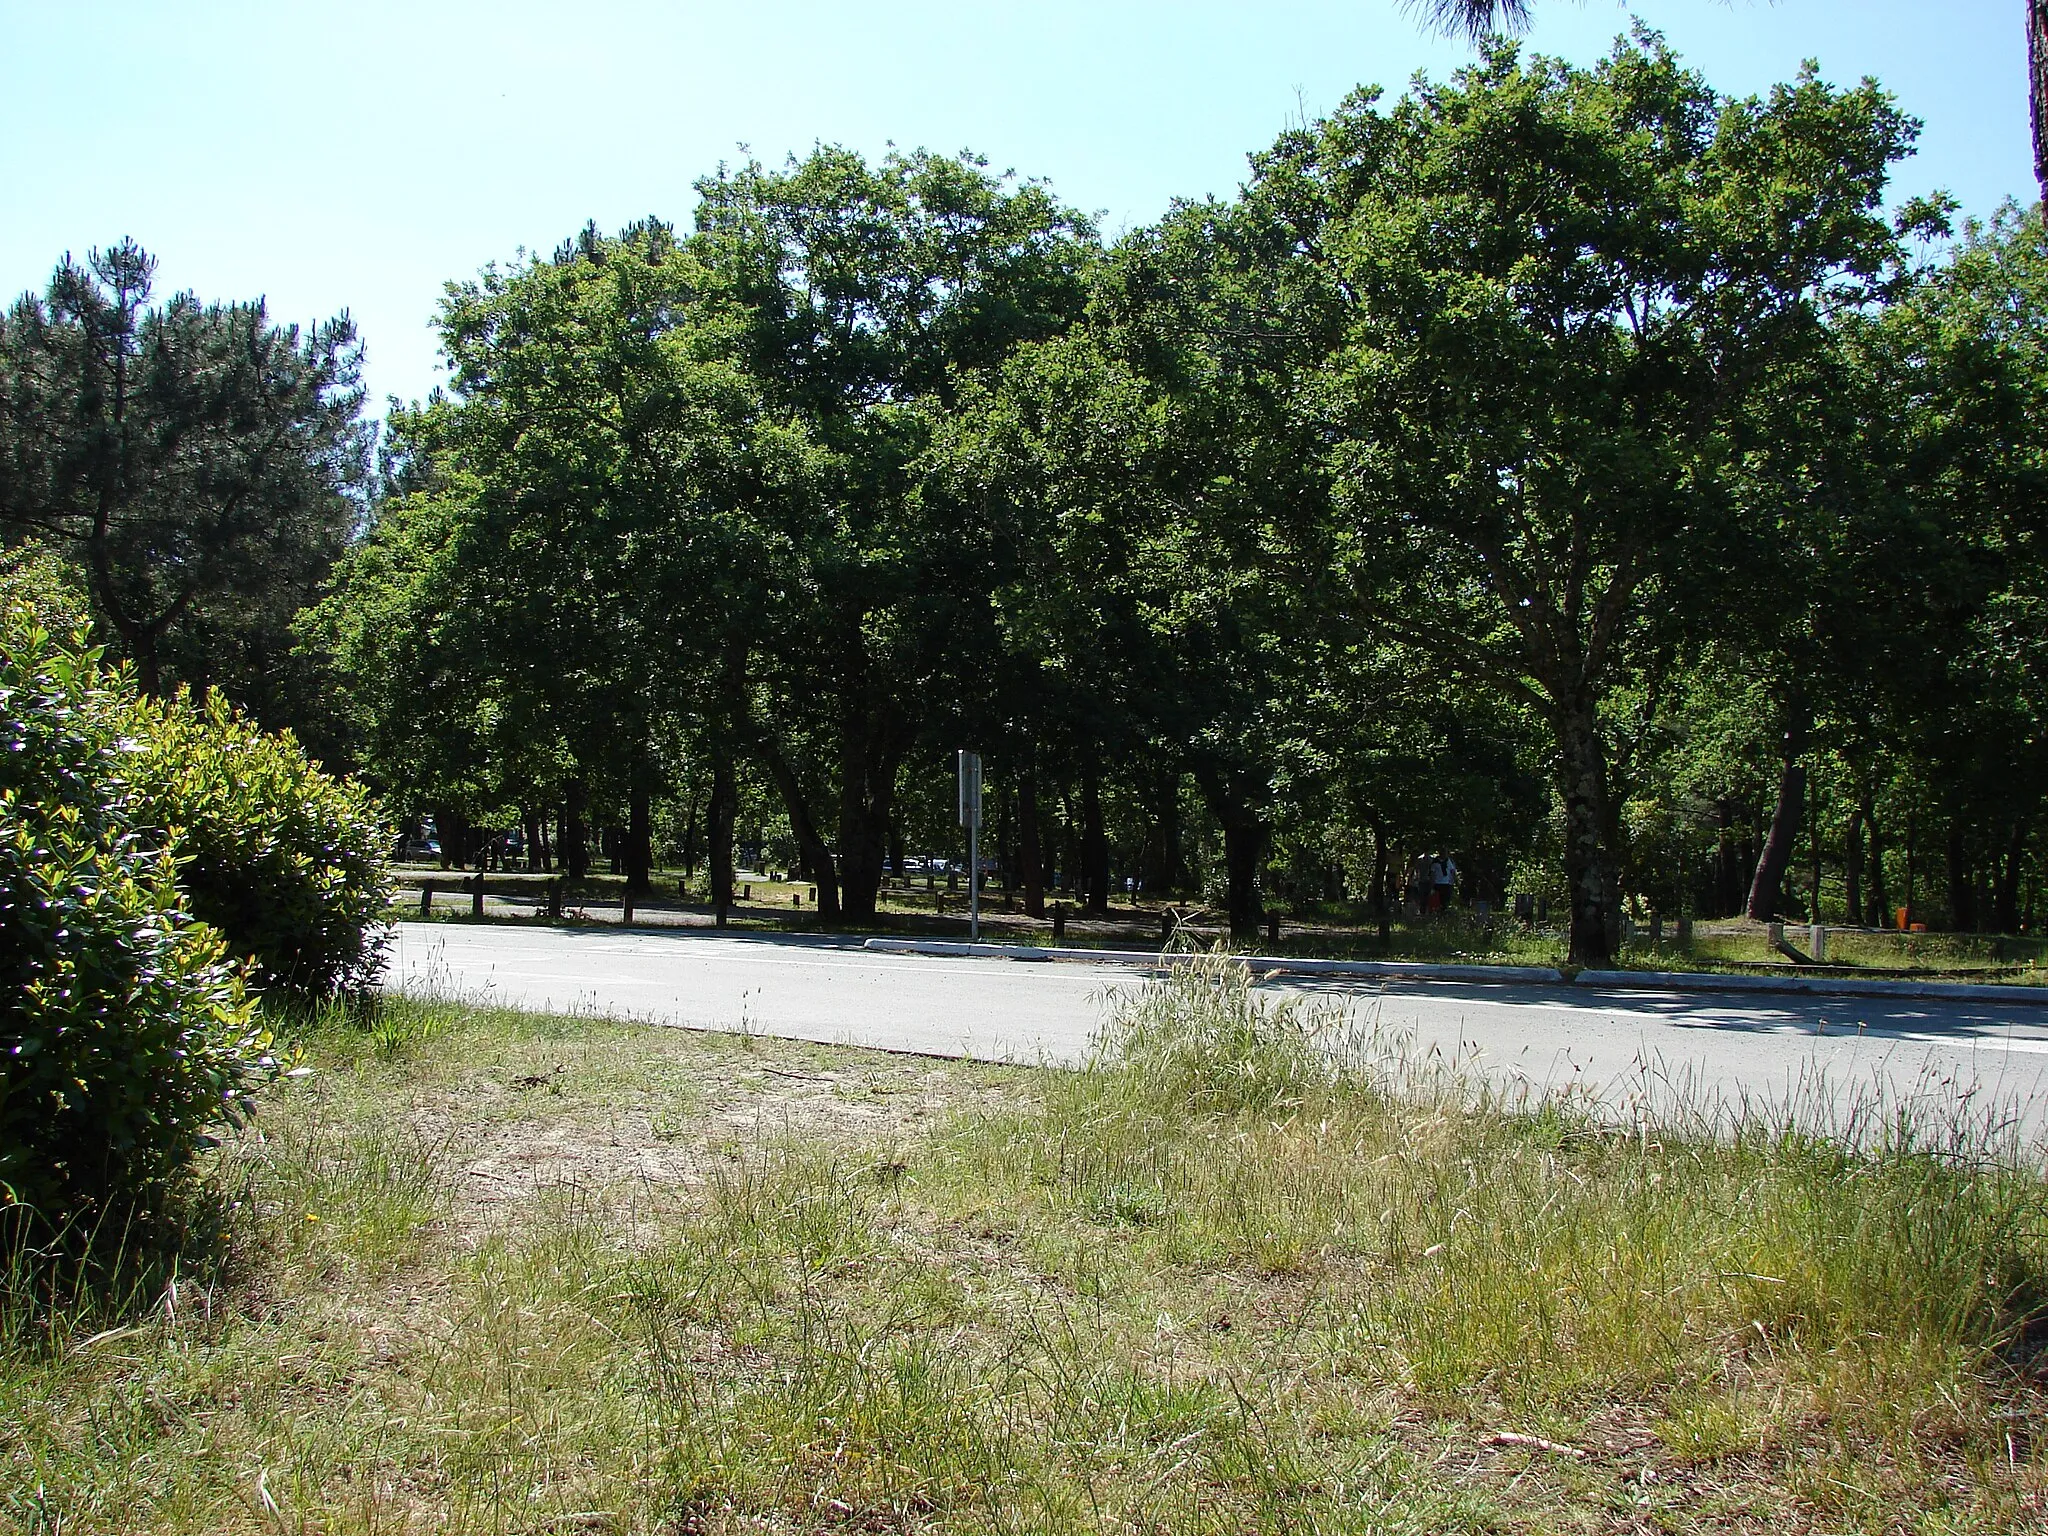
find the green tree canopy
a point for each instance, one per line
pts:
(202, 466)
(1550, 289)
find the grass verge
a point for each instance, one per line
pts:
(1247, 1270)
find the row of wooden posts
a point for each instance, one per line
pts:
(474, 884)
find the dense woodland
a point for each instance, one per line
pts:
(1612, 485)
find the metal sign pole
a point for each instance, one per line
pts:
(970, 818)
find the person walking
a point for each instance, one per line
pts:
(1444, 872)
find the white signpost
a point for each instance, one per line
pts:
(970, 818)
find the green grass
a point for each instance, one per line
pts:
(2005, 958)
(1252, 1269)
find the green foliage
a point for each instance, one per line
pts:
(127, 1036)
(43, 589)
(1574, 470)
(286, 861)
(200, 464)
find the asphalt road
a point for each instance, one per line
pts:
(1831, 1058)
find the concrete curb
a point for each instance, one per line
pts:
(1543, 975)
(1392, 970)
(1815, 986)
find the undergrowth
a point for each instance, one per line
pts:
(1254, 1266)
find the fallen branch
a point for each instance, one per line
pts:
(1534, 1443)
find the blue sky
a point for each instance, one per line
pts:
(361, 155)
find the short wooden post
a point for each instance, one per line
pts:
(1059, 922)
(1817, 940)
(1684, 936)
(1272, 927)
(626, 912)
(476, 895)
(426, 898)
(555, 900)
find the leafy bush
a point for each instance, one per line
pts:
(127, 1035)
(285, 860)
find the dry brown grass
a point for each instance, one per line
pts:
(502, 1273)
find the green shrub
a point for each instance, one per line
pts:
(45, 586)
(126, 1035)
(285, 860)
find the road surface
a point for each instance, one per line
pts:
(1829, 1057)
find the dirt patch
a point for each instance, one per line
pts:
(642, 1116)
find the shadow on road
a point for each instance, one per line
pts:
(1911, 1019)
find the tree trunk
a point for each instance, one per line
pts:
(724, 806)
(640, 830)
(1380, 880)
(1094, 846)
(1588, 850)
(1767, 891)
(1030, 843)
(2037, 87)
(1727, 883)
(1912, 851)
(1069, 859)
(811, 850)
(1244, 848)
(575, 835)
(1962, 889)
(867, 793)
(452, 827)
(1006, 838)
(1880, 891)
(2008, 903)
(1852, 867)
(1161, 869)
(1813, 845)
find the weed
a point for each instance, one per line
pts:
(1250, 1268)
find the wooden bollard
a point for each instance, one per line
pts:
(555, 901)
(476, 895)
(426, 898)
(1272, 927)
(1059, 922)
